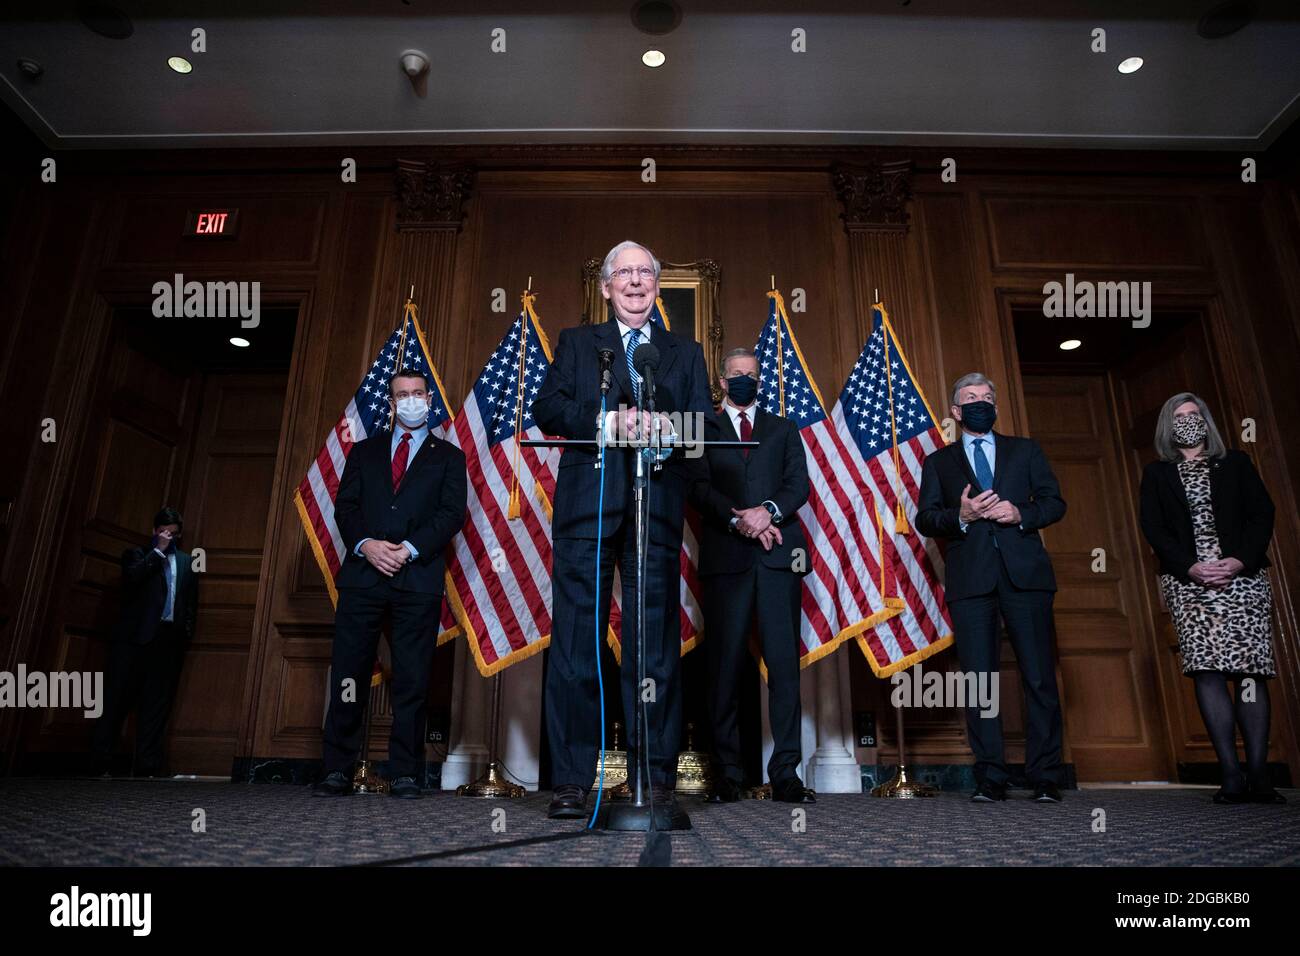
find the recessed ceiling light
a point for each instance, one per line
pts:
(652, 58)
(179, 64)
(1131, 65)
(1069, 345)
(240, 343)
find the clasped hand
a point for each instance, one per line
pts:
(987, 505)
(386, 557)
(1216, 574)
(634, 425)
(756, 523)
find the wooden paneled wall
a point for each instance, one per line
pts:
(950, 260)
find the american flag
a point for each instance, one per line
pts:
(848, 590)
(367, 414)
(890, 428)
(691, 615)
(499, 586)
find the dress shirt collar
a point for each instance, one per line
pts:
(624, 329)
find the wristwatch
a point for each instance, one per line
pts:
(773, 510)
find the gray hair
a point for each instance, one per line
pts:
(1165, 446)
(607, 267)
(973, 378)
(737, 353)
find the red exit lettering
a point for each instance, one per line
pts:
(210, 223)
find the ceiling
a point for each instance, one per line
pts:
(924, 72)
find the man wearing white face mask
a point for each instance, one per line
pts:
(400, 502)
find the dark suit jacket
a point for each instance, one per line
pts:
(144, 594)
(776, 471)
(428, 509)
(1243, 514)
(1022, 476)
(569, 404)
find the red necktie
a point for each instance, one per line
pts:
(746, 430)
(400, 457)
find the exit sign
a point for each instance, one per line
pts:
(212, 223)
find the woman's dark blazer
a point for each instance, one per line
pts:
(1243, 514)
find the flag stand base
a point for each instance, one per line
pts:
(492, 784)
(900, 788)
(365, 780)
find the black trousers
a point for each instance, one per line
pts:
(731, 602)
(978, 636)
(142, 677)
(357, 623)
(572, 692)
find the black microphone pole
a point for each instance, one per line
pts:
(606, 380)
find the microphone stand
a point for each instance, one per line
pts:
(640, 814)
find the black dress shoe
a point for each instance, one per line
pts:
(725, 790)
(1047, 793)
(404, 787)
(1232, 796)
(988, 793)
(569, 802)
(792, 790)
(335, 784)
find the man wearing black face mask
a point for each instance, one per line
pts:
(158, 613)
(987, 496)
(752, 557)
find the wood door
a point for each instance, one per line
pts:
(1145, 377)
(1114, 724)
(132, 462)
(227, 499)
(204, 442)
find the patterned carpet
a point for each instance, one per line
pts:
(143, 823)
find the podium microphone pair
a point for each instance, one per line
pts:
(645, 360)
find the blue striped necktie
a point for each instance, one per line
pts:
(633, 340)
(982, 470)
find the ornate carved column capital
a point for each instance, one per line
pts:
(431, 195)
(874, 197)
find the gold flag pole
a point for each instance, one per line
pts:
(364, 777)
(780, 348)
(900, 787)
(494, 783)
(512, 508)
(408, 311)
(900, 516)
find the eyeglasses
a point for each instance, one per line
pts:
(625, 274)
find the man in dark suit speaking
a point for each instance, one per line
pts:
(988, 496)
(159, 610)
(401, 500)
(753, 557)
(568, 406)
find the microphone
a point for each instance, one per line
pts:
(645, 360)
(606, 372)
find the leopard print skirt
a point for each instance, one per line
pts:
(1227, 630)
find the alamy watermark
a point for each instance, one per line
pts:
(80, 690)
(208, 300)
(1098, 300)
(919, 688)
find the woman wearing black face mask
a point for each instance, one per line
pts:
(1209, 519)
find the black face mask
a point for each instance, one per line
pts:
(742, 389)
(978, 416)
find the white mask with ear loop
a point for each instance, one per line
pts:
(412, 412)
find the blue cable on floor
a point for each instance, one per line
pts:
(600, 679)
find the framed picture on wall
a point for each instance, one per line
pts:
(688, 298)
